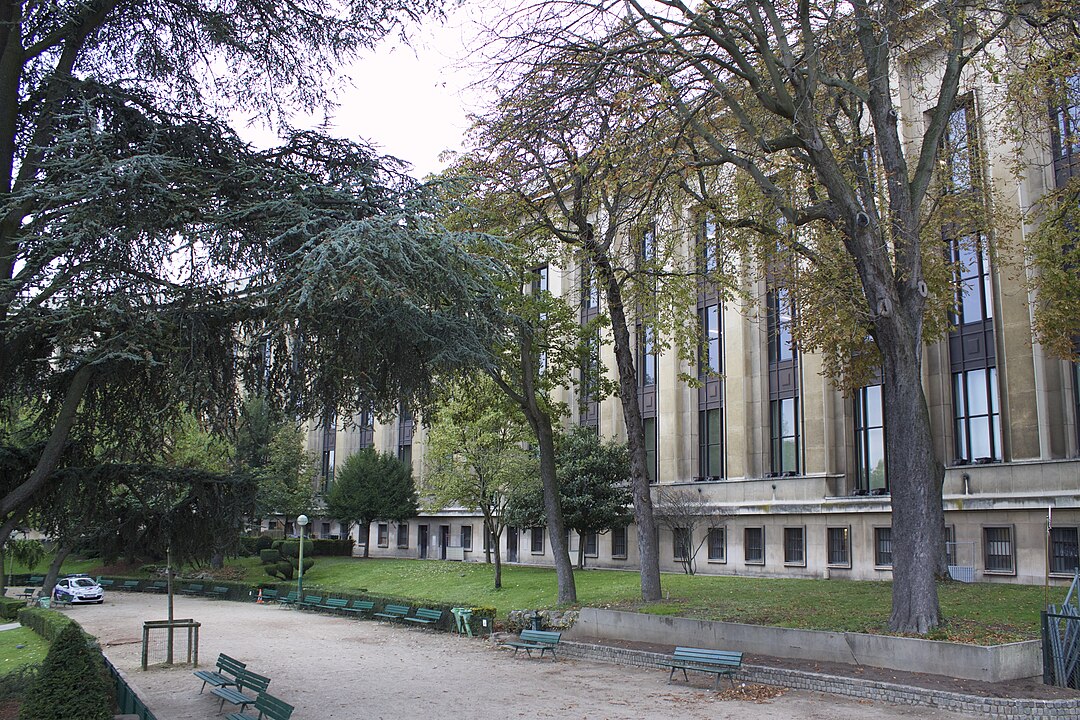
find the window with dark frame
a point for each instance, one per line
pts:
(649, 427)
(870, 440)
(950, 545)
(466, 537)
(785, 449)
(680, 543)
(592, 545)
(403, 535)
(536, 540)
(1064, 545)
(998, 550)
(839, 546)
(711, 450)
(754, 545)
(383, 534)
(883, 547)
(960, 149)
(717, 544)
(618, 542)
(794, 546)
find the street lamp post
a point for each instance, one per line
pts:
(301, 521)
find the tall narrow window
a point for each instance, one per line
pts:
(794, 546)
(973, 356)
(540, 279)
(466, 537)
(1064, 553)
(710, 434)
(536, 546)
(710, 360)
(786, 450)
(680, 543)
(365, 426)
(717, 544)
(869, 440)
(649, 426)
(883, 546)
(403, 535)
(1065, 130)
(754, 545)
(329, 448)
(383, 535)
(588, 405)
(406, 428)
(839, 541)
(646, 356)
(998, 550)
(710, 244)
(592, 544)
(618, 542)
(960, 151)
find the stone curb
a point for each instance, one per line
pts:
(1001, 708)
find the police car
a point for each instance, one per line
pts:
(78, 589)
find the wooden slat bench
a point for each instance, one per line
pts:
(106, 583)
(228, 668)
(268, 707)
(129, 585)
(425, 616)
(334, 604)
(246, 680)
(269, 594)
(360, 607)
(290, 599)
(717, 662)
(393, 612)
(158, 586)
(218, 592)
(194, 589)
(36, 580)
(542, 640)
(311, 601)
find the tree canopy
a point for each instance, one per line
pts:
(372, 486)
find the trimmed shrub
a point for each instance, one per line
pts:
(46, 623)
(269, 556)
(10, 607)
(73, 672)
(340, 548)
(263, 542)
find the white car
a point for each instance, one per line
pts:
(78, 589)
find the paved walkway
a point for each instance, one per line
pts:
(337, 668)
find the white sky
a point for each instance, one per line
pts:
(408, 100)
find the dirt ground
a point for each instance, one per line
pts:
(333, 667)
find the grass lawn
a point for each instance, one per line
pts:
(12, 657)
(982, 613)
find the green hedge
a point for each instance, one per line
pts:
(46, 623)
(73, 679)
(10, 607)
(342, 548)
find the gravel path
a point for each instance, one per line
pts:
(337, 668)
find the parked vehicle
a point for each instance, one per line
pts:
(78, 589)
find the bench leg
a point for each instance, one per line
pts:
(671, 676)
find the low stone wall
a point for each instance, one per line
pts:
(998, 708)
(972, 662)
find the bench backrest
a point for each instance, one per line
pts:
(363, 605)
(36, 579)
(271, 708)
(541, 636)
(401, 610)
(336, 602)
(312, 599)
(248, 680)
(292, 596)
(105, 582)
(131, 584)
(428, 614)
(230, 666)
(220, 590)
(725, 658)
(194, 588)
(269, 594)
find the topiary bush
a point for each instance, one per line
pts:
(73, 676)
(10, 607)
(263, 542)
(284, 566)
(46, 623)
(267, 556)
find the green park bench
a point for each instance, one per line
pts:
(245, 680)
(393, 612)
(542, 640)
(291, 599)
(193, 589)
(228, 668)
(311, 601)
(334, 604)
(269, 708)
(218, 592)
(360, 607)
(268, 594)
(158, 586)
(717, 662)
(106, 583)
(36, 580)
(129, 585)
(425, 616)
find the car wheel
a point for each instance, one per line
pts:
(98, 602)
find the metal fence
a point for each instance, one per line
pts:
(126, 699)
(1061, 640)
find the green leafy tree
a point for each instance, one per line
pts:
(594, 483)
(153, 263)
(285, 484)
(477, 458)
(372, 486)
(73, 674)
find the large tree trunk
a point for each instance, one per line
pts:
(47, 584)
(367, 536)
(496, 538)
(564, 572)
(915, 487)
(648, 545)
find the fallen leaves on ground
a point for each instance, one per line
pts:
(749, 692)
